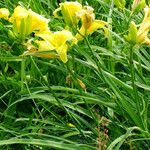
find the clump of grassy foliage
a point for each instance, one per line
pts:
(99, 99)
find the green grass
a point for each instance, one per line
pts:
(42, 103)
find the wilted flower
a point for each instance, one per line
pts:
(56, 41)
(89, 24)
(69, 10)
(4, 13)
(26, 21)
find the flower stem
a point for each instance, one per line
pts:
(111, 64)
(22, 73)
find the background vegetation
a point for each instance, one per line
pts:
(99, 99)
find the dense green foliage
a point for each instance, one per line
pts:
(99, 99)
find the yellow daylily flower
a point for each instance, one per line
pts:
(26, 21)
(69, 10)
(142, 34)
(4, 13)
(56, 41)
(89, 24)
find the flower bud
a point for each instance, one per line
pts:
(4, 13)
(132, 34)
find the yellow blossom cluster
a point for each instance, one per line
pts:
(79, 22)
(25, 21)
(73, 12)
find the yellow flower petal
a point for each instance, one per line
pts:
(95, 25)
(41, 51)
(147, 41)
(58, 41)
(47, 37)
(61, 37)
(19, 18)
(44, 46)
(62, 52)
(38, 22)
(4, 13)
(19, 13)
(144, 27)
